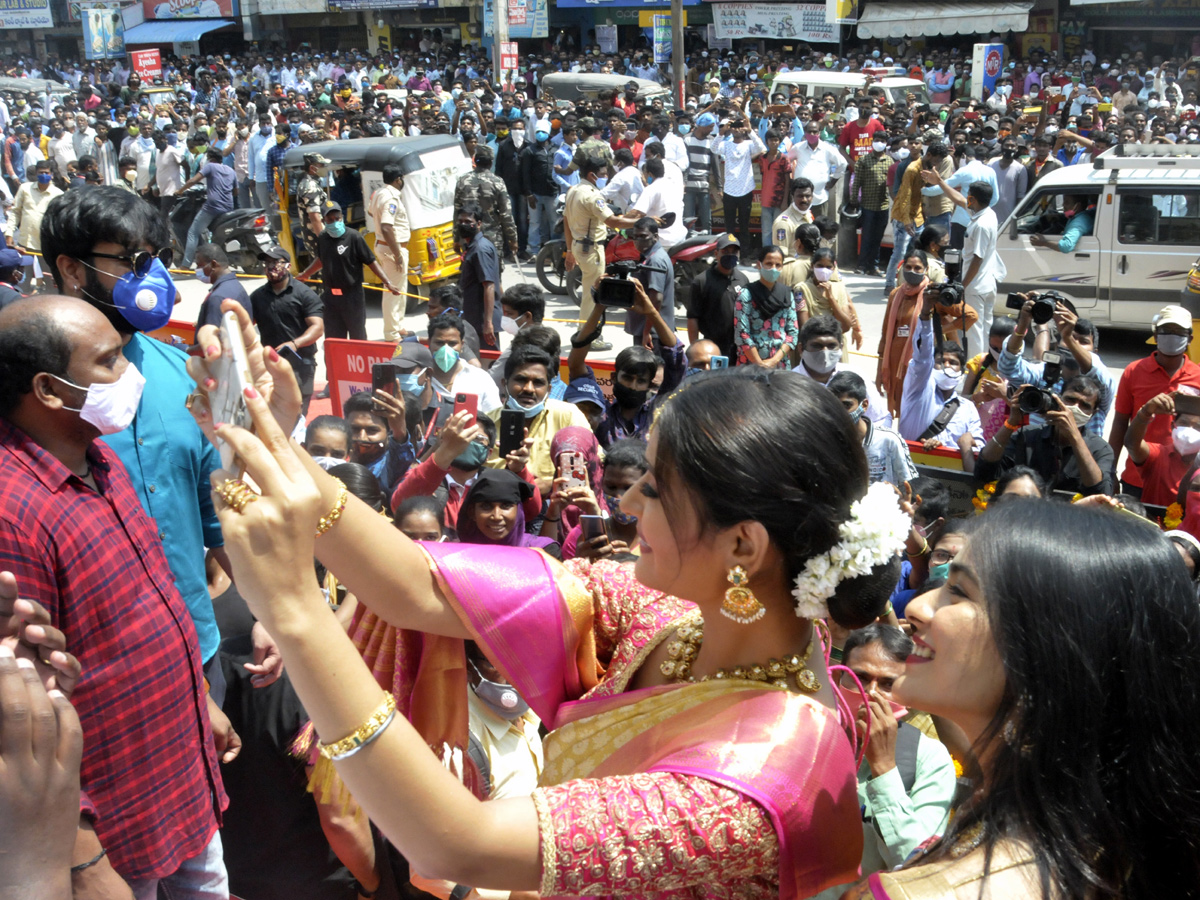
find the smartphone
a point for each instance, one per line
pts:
(572, 466)
(719, 362)
(294, 359)
(971, 115)
(512, 431)
(1014, 301)
(232, 373)
(468, 402)
(1186, 404)
(383, 378)
(591, 527)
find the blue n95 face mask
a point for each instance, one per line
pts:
(145, 302)
(409, 384)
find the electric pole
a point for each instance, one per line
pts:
(677, 70)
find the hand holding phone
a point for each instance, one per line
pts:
(572, 468)
(383, 378)
(231, 371)
(719, 362)
(512, 431)
(467, 403)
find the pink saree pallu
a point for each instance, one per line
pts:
(786, 752)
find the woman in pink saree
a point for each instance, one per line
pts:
(689, 755)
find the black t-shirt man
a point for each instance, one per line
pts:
(711, 305)
(281, 316)
(226, 286)
(342, 261)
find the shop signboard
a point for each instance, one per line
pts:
(25, 14)
(987, 63)
(147, 64)
(778, 21)
(526, 18)
(103, 34)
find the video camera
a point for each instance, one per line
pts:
(1043, 305)
(616, 288)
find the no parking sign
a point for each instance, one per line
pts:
(987, 65)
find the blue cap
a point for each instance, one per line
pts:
(705, 120)
(585, 389)
(10, 259)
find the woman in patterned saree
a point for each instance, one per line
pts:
(1063, 643)
(689, 755)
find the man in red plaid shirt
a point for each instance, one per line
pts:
(74, 534)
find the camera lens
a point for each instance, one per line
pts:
(1034, 400)
(1043, 310)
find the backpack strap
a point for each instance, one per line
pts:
(478, 756)
(938, 425)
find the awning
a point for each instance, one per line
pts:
(170, 31)
(899, 19)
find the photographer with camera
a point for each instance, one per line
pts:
(1078, 337)
(631, 411)
(931, 410)
(1164, 466)
(1062, 451)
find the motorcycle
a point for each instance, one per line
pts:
(689, 258)
(242, 233)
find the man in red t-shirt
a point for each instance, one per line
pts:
(1163, 371)
(1163, 466)
(855, 139)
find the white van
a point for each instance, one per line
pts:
(816, 84)
(1145, 237)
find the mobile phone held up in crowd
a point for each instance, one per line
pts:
(512, 431)
(719, 362)
(383, 378)
(295, 360)
(573, 468)
(1186, 404)
(232, 373)
(591, 527)
(469, 403)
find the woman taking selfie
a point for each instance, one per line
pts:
(1060, 644)
(694, 749)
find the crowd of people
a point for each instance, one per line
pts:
(498, 631)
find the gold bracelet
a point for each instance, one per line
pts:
(364, 733)
(339, 506)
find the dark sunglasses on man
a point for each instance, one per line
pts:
(141, 260)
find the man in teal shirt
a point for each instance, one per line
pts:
(1080, 222)
(100, 242)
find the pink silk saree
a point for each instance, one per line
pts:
(784, 751)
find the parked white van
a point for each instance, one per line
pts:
(1146, 233)
(816, 84)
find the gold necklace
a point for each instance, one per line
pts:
(685, 647)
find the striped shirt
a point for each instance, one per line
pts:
(701, 163)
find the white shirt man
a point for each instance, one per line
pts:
(675, 151)
(84, 137)
(820, 164)
(468, 379)
(623, 189)
(980, 245)
(661, 196)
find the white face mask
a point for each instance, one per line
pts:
(946, 379)
(822, 274)
(110, 407)
(821, 361)
(518, 137)
(1081, 417)
(509, 326)
(1186, 439)
(1171, 344)
(878, 146)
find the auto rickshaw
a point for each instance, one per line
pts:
(432, 165)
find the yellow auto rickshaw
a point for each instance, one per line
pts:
(432, 165)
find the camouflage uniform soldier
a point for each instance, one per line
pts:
(591, 144)
(311, 201)
(485, 188)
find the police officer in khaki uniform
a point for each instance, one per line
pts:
(586, 218)
(311, 201)
(386, 209)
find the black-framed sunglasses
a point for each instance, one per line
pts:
(141, 260)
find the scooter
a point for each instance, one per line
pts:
(242, 233)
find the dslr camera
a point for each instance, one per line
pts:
(1041, 400)
(1043, 305)
(950, 293)
(616, 288)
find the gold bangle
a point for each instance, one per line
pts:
(339, 506)
(364, 733)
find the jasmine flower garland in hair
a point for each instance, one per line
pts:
(874, 533)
